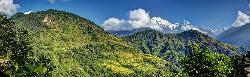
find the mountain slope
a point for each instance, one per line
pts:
(64, 44)
(160, 44)
(173, 47)
(237, 36)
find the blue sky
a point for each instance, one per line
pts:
(210, 14)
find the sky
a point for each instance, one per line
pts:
(209, 14)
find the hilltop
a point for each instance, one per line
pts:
(65, 44)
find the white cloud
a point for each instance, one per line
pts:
(28, 12)
(138, 19)
(158, 21)
(116, 24)
(187, 26)
(242, 19)
(225, 28)
(8, 7)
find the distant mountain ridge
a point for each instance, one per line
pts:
(184, 26)
(237, 36)
(174, 46)
(158, 43)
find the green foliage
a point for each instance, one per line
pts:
(239, 65)
(64, 44)
(14, 49)
(158, 43)
(57, 43)
(173, 47)
(201, 62)
(117, 63)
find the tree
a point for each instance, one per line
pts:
(239, 65)
(13, 47)
(201, 62)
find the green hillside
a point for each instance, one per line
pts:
(64, 44)
(181, 49)
(173, 46)
(55, 43)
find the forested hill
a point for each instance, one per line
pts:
(56, 43)
(161, 44)
(64, 44)
(191, 51)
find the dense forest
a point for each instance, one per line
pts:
(57, 43)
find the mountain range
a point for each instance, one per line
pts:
(61, 43)
(237, 36)
(159, 44)
(165, 28)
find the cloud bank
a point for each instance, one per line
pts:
(116, 24)
(242, 19)
(8, 8)
(138, 19)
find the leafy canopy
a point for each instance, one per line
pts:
(201, 62)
